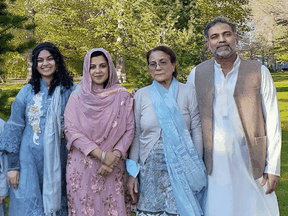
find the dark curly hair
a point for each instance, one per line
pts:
(61, 75)
(169, 52)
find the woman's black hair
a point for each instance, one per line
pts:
(169, 52)
(99, 53)
(61, 75)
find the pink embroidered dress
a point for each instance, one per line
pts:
(97, 118)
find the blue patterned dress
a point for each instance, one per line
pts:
(24, 133)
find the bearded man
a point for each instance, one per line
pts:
(241, 128)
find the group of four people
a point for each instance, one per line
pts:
(227, 114)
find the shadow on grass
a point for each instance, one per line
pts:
(282, 89)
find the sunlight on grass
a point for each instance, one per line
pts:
(281, 83)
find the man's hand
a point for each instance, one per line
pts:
(273, 182)
(13, 178)
(2, 198)
(133, 189)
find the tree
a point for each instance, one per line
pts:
(128, 29)
(8, 24)
(263, 41)
(280, 14)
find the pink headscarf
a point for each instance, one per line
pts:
(98, 114)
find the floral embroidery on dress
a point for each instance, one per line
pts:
(119, 187)
(110, 203)
(76, 179)
(98, 183)
(34, 115)
(87, 204)
(71, 205)
(86, 161)
(114, 124)
(69, 160)
(128, 206)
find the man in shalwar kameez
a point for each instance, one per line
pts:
(241, 128)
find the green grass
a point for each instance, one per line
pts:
(281, 83)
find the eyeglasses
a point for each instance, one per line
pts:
(153, 65)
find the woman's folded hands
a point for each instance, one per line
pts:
(109, 163)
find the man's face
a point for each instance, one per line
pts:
(221, 40)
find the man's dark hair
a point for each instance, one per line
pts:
(214, 22)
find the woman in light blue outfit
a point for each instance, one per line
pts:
(4, 189)
(172, 177)
(33, 138)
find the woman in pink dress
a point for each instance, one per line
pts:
(99, 127)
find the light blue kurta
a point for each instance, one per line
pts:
(23, 134)
(3, 173)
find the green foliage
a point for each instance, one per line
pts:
(15, 65)
(10, 22)
(7, 96)
(3, 100)
(235, 11)
(128, 28)
(282, 46)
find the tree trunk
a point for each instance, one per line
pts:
(30, 12)
(29, 65)
(120, 69)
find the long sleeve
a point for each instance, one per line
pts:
(195, 126)
(3, 174)
(3, 167)
(191, 78)
(13, 161)
(126, 140)
(77, 137)
(13, 130)
(273, 124)
(135, 147)
(196, 131)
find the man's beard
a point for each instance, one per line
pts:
(223, 51)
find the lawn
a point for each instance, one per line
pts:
(281, 83)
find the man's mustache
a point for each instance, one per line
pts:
(221, 45)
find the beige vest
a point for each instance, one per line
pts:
(248, 101)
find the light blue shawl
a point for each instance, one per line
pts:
(185, 167)
(52, 161)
